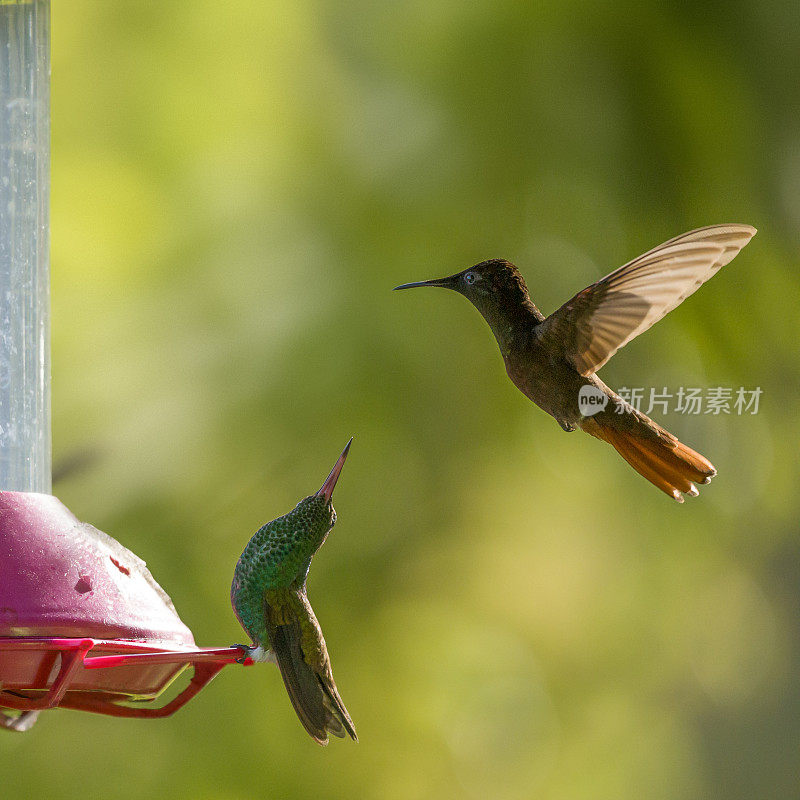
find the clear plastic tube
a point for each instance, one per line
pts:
(25, 455)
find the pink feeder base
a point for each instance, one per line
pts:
(83, 624)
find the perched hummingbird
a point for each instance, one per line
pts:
(552, 360)
(268, 594)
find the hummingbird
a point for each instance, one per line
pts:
(553, 360)
(269, 599)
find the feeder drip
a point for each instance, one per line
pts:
(25, 458)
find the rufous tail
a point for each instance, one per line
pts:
(656, 455)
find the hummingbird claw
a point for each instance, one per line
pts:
(246, 648)
(253, 653)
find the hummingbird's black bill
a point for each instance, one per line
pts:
(327, 488)
(445, 283)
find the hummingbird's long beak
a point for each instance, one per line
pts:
(327, 488)
(445, 283)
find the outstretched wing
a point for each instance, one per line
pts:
(605, 316)
(299, 647)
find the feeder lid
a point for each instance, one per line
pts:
(63, 577)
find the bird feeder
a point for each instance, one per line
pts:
(83, 624)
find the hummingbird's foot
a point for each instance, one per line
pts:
(255, 653)
(248, 650)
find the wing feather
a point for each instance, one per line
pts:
(302, 657)
(605, 316)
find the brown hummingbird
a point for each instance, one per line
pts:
(553, 360)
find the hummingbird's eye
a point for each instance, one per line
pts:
(469, 277)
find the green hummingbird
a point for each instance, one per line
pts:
(269, 599)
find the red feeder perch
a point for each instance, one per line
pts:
(82, 622)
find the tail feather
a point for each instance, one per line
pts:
(679, 475)
(638, 460)
(656, 455)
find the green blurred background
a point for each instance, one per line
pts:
(511, 612)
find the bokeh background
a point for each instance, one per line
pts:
(512, 612)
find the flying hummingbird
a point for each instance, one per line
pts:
(268, 594)
(552, 360)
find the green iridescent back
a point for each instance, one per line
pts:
(277, 555)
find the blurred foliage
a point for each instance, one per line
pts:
(511, 612)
